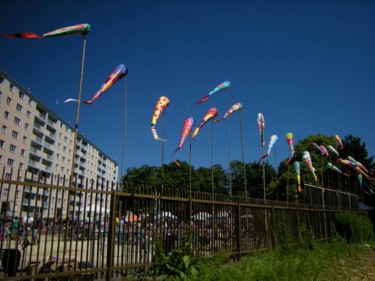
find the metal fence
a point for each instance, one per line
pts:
(110, 233)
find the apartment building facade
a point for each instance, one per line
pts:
(37, 145)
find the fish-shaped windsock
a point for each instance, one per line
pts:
(272, 142)
(161, 104)
(307, 158)
(333, 150)
(346, 162)
(324, 151)
(218, 88)
(297, 167)
(289, 139)
(82, 29)
(339, 142)
(211, 113)
(363, 173)
(317, 147)
(237, 106)
(120, 72)
(261, 125)
(333, 167)
(365, 187)
(186, 129)
(359, 164)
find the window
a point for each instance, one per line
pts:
(63, 159)
(10, 162)
(13, 148)
(5, 191)
(20, 166)
(9, 101)
(22, 152)
(6, 115)
(24, 140)
(28, 114)
(58, 156)
(11, 87)
(21, 95)
(15, 134)
(26, 126)
(30, 101)
(4, 129)
(1, 144)
(65, 139)
(64, 148)
(17, 121)
(19, 107)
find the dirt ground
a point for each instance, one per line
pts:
(358, 266)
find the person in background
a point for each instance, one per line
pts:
(15, 226)
(36, 229)
(21, 231)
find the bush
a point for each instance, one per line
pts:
(354, 228)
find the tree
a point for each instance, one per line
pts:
(254, 178)
(146, 175)
(353, 146)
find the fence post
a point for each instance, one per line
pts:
(111, 236)
(191, 227)
(273, 227)
(239, 230)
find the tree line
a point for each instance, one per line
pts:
(277, 183)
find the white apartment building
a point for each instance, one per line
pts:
(36, 145)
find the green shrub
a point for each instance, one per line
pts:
(354, 228)
(177, 264)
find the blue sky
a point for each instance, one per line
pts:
(308, 66)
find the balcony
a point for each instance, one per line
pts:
(38, 130)
(37, 142)
(47, 162)
(35, 153)
(34, 164)
(41, 118)
(48, 148)
(50, 137)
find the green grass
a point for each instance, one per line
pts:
(319, 263)
(305, 260)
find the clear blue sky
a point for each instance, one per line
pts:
(308, 66)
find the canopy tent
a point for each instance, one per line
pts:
(201, 216)
(131, 218)
(165, 216)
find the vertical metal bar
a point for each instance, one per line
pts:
(239, 230)
(111, 237)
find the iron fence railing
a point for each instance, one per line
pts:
(113, 230)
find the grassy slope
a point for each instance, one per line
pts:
(331, 261)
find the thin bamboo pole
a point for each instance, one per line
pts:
(212, 161)
(75, 140)
(124, 138)
(243, 155)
